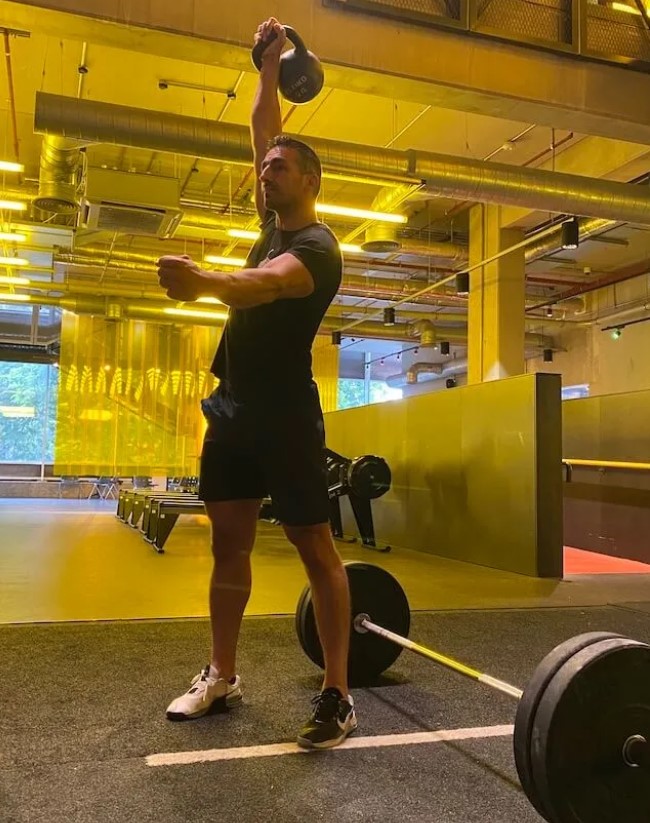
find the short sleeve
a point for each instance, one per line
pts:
(319, 252)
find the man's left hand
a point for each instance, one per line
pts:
(181, 277)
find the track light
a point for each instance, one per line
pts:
(549, 312)
(444, 347)
(616, 334)
(548, 355)
(389, 316)
(336, 338)
(462, 283)
(571, 234)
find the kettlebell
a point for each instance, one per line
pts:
(301, 73)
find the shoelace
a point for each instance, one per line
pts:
(201, 678)
(326, 706)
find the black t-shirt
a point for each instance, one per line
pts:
(269, 346)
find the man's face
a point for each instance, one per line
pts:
(284, 186)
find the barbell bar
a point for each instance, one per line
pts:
(582, 726)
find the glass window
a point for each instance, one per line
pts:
(574, 392)
(362, 376)
(28, 394)
(352, 392)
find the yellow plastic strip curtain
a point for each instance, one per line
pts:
(325, 368)
(129, 396)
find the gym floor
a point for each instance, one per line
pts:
(83, 734)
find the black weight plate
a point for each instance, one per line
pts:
(375, 592)
(369, 476)
(594, 704)
(529, 702)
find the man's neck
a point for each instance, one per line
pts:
(295, 220)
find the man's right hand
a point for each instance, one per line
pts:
(263, 33)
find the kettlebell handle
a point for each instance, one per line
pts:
(260, 47)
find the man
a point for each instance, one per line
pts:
(265, 430)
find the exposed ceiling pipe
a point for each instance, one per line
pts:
(455, 177)
(628, 273)
(378, 289)
(115, 308)
(435, 370)
(382, 237)
(57, 187)
(12, 97)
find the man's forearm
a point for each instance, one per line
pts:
(266, 118)
(243, 290)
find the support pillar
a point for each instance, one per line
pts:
(496, 324)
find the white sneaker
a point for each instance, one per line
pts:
(205, 694)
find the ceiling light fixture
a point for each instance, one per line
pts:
(350, 248)
(389, 316)
(12, 237)
(13, 205)
(243, 234)
(14, 281)
(624, 7)
(363, 214)
(207, 315)
(235, 262)
(13, 261)
(14, 298)
(6, 165)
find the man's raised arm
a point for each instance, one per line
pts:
(266, 119)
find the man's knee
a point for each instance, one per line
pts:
(315, 545)
(234, 524)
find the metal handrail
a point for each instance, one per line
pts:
(570, 462)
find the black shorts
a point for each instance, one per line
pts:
(267, 446)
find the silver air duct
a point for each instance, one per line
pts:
(57, 183)
(459, 178)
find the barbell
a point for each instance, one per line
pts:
(301, 72)
(582, 727)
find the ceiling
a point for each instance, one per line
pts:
(42, 63)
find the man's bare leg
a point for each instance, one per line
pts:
(234, 524)
(331, 597)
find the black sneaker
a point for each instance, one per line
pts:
(332, 720)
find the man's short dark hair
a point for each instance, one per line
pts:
(307, 158)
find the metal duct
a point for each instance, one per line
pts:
(477, 181)
(455, 177)
(57, 186)
(381, 238)
(423, 368)
(435, 370)
(451, 252)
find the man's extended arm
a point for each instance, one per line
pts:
(266, 119)
(281, 278)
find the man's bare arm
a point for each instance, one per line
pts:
(266, 118)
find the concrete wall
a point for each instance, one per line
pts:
(591, 355)
(476, 472)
